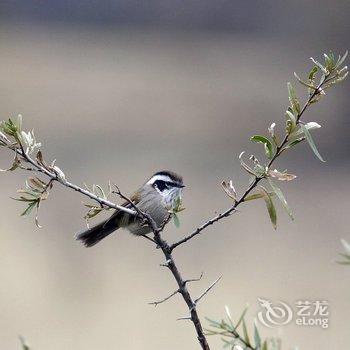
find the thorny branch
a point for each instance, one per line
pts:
(24, 144)
(161, 243)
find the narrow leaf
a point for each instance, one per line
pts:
(37, 215)
(245, 166)
(256, 196)
(281, 176)
(302, 82)
(16, 163)
(245, 333)
(346, 246)
(341, 59)
(270, 206)
(99, 191)
(213, 322)
(319, 65)
(241, 317)
(229, 189)
(293, 99)
(29, 209)
(281, 197)
(295, 142)
(269, 148)
(24, 344)
(257, 338)
(311, 142)
(176, 220)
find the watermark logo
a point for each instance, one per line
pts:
(306, 313)
(274, 315)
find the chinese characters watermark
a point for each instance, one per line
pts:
(305, 313)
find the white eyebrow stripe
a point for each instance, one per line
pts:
(153, 179)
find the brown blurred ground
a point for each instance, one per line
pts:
(121, 103)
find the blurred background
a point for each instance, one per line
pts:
(119, 89)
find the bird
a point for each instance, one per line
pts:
(157, 197)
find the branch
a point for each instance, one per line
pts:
(56, 175)
(280, 148)
(24, 144)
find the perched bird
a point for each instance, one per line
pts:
(156, 197)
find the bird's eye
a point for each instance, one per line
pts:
(161, 185)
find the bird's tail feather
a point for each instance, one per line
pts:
(96, 233)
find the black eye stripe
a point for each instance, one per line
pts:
(162, 185)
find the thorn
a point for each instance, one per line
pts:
(155, 303)
(194, 279)
(183, 318)
(207, 290)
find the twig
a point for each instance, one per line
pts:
(137, 210)
(54, 177)
(183, 318)
(155, 303)
(194, 279)
(207, 290)
(148, 238)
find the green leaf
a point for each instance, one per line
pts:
(241, 318)
(19, 122)
(176, 220)
(254, 196)
(16, 163)
(268, 145)
(23, 199)
(309, 126)
(302, 82)
(291, 120)
(341, 59)
(99, 191)
(246, 167)
(257, 338)
(93, 212)
(343, 262)
(293, 99)
(227, 343)
(264, 347)
(25, 346)
(245, 333)
(29, 209)
(270, 207)
(213, 323)
(346, 246)
(281, 197)
(312, 74)
(311, 142)
(329, 61)
(295, 142)
(319, 65)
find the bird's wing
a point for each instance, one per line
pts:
(117, 215)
